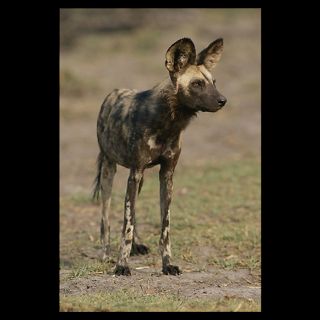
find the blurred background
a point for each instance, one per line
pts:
(103, 49)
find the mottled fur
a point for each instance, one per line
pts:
(139, 130)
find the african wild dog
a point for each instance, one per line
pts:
(139, 130)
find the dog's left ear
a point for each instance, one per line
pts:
(210, 56)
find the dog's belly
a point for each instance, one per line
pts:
(138, 154)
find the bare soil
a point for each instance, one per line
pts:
(213, 283)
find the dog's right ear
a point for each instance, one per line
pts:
(181, 54)
(211, 55)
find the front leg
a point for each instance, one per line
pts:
(122, 267)
(166, 188)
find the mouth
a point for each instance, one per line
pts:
(204, 109)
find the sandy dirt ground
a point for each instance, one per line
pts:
(209, 284)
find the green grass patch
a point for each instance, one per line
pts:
(215, 222)
(128, 300)
(213, 206)
(85, 269)
(217, 207)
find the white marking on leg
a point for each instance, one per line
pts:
(128, 236)
(169, 153)
(128, 210)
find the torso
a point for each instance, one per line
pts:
(131, 133)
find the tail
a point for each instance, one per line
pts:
(97, 180)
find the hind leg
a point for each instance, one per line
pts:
(137, 247)
(107, 174)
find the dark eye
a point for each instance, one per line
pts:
(197, 84)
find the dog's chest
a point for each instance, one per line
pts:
(157, 147)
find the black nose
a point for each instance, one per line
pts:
(222, 101)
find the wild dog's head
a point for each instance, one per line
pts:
(191, 74)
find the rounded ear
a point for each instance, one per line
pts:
(181, 54)
(210, 56)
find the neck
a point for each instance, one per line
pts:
(177, 113)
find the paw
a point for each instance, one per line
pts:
(137, 249)
(122, 271)
(170, 269)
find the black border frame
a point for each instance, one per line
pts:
(46, 28)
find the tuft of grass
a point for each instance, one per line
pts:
(129, 300)
(81, 198)
(85, 269)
